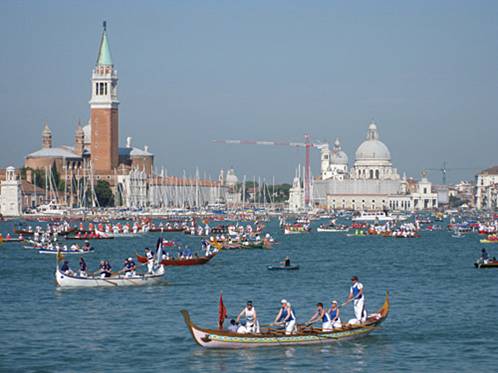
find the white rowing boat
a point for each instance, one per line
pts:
(68, 252)
(64, 280)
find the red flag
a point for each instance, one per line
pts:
(222, 313)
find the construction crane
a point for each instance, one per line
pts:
(307, 145)
(444, 170)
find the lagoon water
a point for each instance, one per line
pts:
(443, 310)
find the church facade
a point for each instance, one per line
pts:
(372, 183)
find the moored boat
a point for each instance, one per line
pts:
(213, 338)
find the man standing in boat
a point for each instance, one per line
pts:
(252, 323)
(356, 295)
(150, 260)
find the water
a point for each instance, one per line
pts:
(443, 310)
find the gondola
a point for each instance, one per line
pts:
(181, 262)
(214, 338)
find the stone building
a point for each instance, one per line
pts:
(486, 192)
(371, 184)
(96, 152)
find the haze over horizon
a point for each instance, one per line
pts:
(189, 72)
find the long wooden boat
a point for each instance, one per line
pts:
(110, 237)
(63, 280)
(166, 230)
(486, 264)
(332, 229)
(67, 252)
(181, 262)
(213, 338)
(489, 241)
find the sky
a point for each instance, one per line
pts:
(193, 71)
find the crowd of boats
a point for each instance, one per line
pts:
(217, 233)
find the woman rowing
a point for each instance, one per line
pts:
(252, 323)
(286, 317)
(334, 313)
(321, 314)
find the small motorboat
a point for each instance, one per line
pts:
(283, 268)
(487, 263)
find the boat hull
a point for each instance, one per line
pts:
(217, 339)
(66, 281)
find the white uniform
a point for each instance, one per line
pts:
(359, 302)
(252, 325)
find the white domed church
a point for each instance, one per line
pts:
(371, 184)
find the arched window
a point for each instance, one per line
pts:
(371, 174)
(376, 174)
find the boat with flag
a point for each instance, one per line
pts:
(269, 337)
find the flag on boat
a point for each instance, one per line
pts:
(59, 256)
(222, 312)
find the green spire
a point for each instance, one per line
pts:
(104, 57)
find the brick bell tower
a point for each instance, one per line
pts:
(104, 111)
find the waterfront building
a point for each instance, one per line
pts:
(371, 184)
(486, 193)
(96, 154)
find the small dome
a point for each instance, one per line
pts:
(231, 178)
(372, 148)
(338, 156)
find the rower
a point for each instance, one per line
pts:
(83, 268)
(105, 268)
(286, 317)
(65, 268)
(321, 314)
(356, 295)
(150, 260)
(86, 246)
(233, 326)
(334, 312)
(252, 323)
(129, 267)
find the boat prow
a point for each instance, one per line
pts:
(213, 338)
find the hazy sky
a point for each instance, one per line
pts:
(191, 71)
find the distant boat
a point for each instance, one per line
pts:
(283, 268)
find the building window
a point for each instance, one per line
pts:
(371, 174)
(105, 88)
(376, 174)
(96, 88)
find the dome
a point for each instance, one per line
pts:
(231, 178)
(372, 148)
(338, 156)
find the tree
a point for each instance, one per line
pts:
(104, 194)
